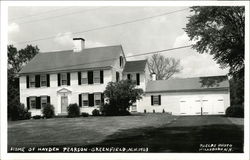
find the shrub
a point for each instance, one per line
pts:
(96, 112)
(145, 111)
(153, 111)
(84, 114)
(48, 111)
(73, 110)
(37, 117)
(19, 112)
(235, 111)
(163, 111)
(112, 110)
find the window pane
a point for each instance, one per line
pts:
(84, 75)
(43, 101)
(155, 100)
(96, 76)
(32, 102)
(32, 81)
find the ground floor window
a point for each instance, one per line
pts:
(44, 101)
(90, 100)
(156, 100)
(32, 102)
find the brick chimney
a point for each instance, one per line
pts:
(153, 76)
(79, 44)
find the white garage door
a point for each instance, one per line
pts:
(208, 105)
(190, 106)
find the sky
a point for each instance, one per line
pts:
(57, 26)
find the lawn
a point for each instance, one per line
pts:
(157, 132)
(79, 131)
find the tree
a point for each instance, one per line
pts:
(121, 95)
(220, 32)
(16, 60)
(163, 67)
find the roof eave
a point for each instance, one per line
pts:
(191, 90)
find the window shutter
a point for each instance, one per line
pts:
(38, 102)
(138, 78)
(28, 102)
(68, 79)
(59, 79)
(152, 102)
(79, 78)
(37, 79)
(102, 98)
(91, 100)
(80, 100)
(101, 76)
(48, 99)
(90, 77)
(159, 96)
(27, 81)
(48, 80)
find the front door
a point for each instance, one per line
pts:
(64, 104)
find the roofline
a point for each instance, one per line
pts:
(66, 70)
(191, 90)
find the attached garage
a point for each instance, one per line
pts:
(189, 96)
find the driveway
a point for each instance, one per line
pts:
(186, 134)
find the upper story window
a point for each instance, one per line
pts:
(96, 76)
(32, 82)
(121, 61)
(90, 77)
(156, 100)
(43, 80)
(84, 78)
(64, 78)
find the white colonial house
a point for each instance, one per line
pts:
(81, 75)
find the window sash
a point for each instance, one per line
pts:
(85, 101)
(43, 101)
(32, 102)
(155, 100)
(43, 80)
(96, 76)
(32, 81)
(97, 98)
(64, 78)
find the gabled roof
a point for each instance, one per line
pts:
(68, 60)
(135, 66)
(188, 84)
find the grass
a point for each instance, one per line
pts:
(76, 131)
(158, 132)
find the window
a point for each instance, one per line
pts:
(85, 101)
(121, 61)
(96, 76)
(64, 78)
(117, 76)
(84, 78)
(138, 79)
(43, 101)
(156, 100)
(129, 76)
(32, 81)
(97, 98)
(33, 102)
(43, 80)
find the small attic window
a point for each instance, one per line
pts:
(121, 61)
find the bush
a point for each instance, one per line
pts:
(96, 112)
(37, 117)
(84, 114)
(112, 110)
(48, 111)
(235, 111)
(73, 110)
(19, 112)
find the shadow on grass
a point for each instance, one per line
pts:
(178, 139)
